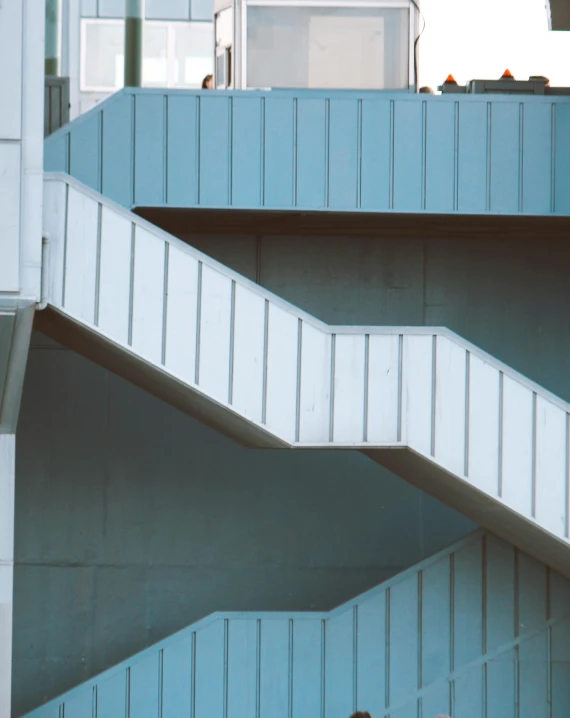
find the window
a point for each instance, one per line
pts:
(193, 51)
(104, 43)
(175, 54)
(343, 47)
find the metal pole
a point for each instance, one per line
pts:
(52, 38)
(134, 18)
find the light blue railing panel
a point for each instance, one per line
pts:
(452, 635)
(337, 151)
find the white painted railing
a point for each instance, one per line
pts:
(302, 382)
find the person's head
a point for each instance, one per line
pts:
(427, 90)
(360, 714)
(207, 82)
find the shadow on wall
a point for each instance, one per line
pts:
(133, 520)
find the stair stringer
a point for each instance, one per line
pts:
(477, 624)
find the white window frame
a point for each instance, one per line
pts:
(170, 50)
(377, 4)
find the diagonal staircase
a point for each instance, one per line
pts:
(422, 402)
(460, 633)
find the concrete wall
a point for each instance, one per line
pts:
(133, 520)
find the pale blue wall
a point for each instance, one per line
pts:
(481, 631)
(315, 150)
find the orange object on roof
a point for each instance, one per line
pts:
(507, 75)
(450, 80)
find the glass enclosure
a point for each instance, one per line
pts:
(344, 47)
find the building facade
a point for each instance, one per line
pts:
(294, 435)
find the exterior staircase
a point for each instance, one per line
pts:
(422, 402)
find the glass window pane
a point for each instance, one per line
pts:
(155, 55)
(104, 51)
(193, 53)
(327, 47)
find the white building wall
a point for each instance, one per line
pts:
(21, 145)
(21, 188)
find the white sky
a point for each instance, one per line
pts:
(479, 39)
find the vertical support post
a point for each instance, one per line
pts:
(7, 473)
(52, 51)
(134, 19)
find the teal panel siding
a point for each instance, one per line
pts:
(312, 129)
(533, 676)
(279, 129)
(468, 694)
(371, 654)
(145, 686)
(85, 152)
(150, 150)
(339, 662)
(177, 676)
(210, 673)
(80, 706)
(404, 640)
(315, 150)
(182, 151)
(562, 159)
(467, 606)
(112, 694)
(499, 594)
(215, 158)
(472, 158)
(308, 668)
(409, 149)
(506, 121)
(376, 155)
(343, 153)
(247, 128)
(501, 684)
(435, 626)
(441, 154)
(274, 667)
(117, 163)
(537, 158)
(242, 669)
(56, 155)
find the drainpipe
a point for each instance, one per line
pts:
(44, 294)
(134, 18)
(52, 38)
